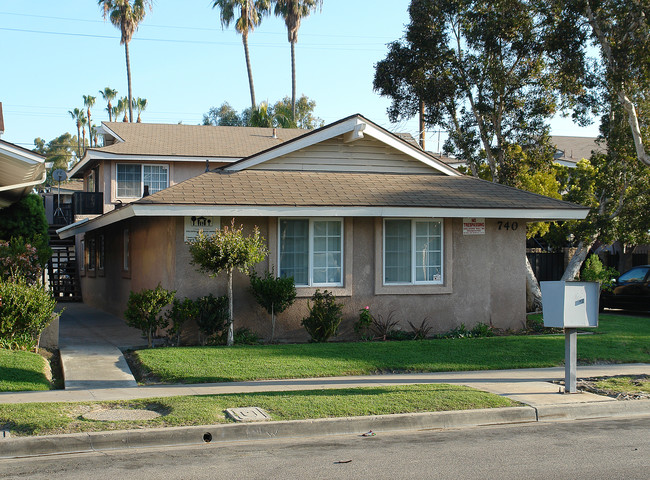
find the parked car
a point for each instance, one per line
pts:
(631, 291)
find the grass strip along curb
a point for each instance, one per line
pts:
(56, 418)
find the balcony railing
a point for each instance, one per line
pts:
(88, 203)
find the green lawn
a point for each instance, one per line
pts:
(56, 418)
(618, 339)
(21, 371)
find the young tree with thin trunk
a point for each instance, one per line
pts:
(126, 15)
(250, 16)
(293, 11)
(226, 250)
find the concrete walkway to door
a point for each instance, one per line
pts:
(90, 341)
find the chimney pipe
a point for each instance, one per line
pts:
(275, 132)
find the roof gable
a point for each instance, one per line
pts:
(346, 131)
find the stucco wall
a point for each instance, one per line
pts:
(484, 278)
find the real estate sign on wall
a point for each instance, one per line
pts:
(473, 226)
(195, 224)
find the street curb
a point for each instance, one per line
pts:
(14, 447)
(177, 436)
(581, 411)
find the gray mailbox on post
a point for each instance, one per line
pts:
(570, 305)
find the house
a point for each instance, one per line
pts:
(350, 208)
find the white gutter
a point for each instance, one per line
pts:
(18, 186)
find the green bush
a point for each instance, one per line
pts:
(143, 310)
(25, 311)
(274, 294)
(324, 316)
(482, 330)
(178, 314)
(363, 324)
(213, 316)
(595, 271)
(422, 331)
(25, 221)
(245, 336)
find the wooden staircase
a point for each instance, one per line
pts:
(62, 268)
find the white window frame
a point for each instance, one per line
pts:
(310, 255)
(413, 252)
(142, 165)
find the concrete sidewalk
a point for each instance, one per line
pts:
(90, 343)
(530, 386)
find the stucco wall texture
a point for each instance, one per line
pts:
(484, 278)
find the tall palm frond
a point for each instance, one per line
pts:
(109, 94)
(250, 16)
(126, 15)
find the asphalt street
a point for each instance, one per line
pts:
(588, 449)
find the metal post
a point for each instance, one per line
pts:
(570, 360)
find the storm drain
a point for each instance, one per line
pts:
(248, 414)
(121, 414)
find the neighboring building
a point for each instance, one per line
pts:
(20, 170)
(350, 208)
(139, 157)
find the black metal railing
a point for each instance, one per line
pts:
(88, 203)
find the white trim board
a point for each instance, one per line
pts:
(144, 210)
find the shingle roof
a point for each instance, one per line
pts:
(574, 149)
(330, 189)
(194, 140)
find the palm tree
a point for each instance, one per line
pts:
(292, 11)
(126, 16)
(108, 94)
(251, 12)
(140, 105)
(83, 121)
(122, 107)
(89, 101)
(76, 115)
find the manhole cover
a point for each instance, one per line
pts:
(118, 414)
(248, 414)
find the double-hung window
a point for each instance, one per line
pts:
(311, 251)
(413, 251)
(132, 178)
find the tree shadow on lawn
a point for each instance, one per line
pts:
(12, 377)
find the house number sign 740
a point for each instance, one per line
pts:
(507, 225)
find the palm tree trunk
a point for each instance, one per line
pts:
(128, 80)
(110, 111)
(90, 129)
(79, 140)
(231, 335)
(293, 80)
(250, 70)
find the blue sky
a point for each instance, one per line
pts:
(183, 63)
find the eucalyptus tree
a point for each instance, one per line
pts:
(477, 70)
(89, 101)
(109, 94)
(126, 15)
(293, 11)
(250, 15)
(76, 114)
(621, 33)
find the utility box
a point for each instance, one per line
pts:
(570, 304)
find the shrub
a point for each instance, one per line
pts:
(363, 324)
(25, 311)
(245, 336)
(399, 335)
(178, 314)
(383, 327)
(421, 332)
(143, 310)
(324, 316)
(482, 330)
(213, 316)
(19, 260)
(595, 271)
(274, 294)
(25, 221)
